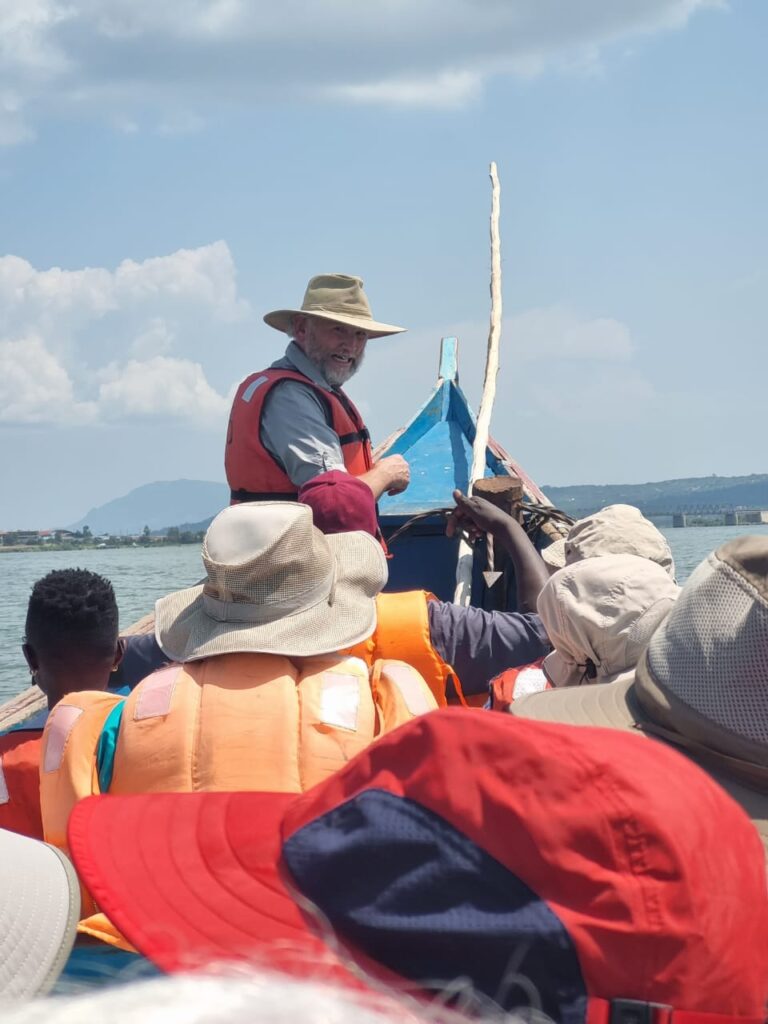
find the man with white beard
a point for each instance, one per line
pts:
(292, 421)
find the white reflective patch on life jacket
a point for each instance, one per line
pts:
(412, 687)
(252, 388)
(340, 700)
(529, 680)
(4, 794)
(61, 722)
(156, 693)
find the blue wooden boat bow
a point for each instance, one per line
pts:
(437, 443)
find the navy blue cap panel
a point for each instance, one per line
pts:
(408, 889)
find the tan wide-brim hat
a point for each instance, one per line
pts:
(275, 585)
(338, 298)
(702, 681)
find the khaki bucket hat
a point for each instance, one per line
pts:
(701, 683)
(39, 911)
(335, 297)
(599, 614)
(275, 585)
(614, 530)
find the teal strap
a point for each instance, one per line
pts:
(105, 752)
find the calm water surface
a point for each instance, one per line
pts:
(141, 575)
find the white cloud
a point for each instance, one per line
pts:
(163, 388)
(203, 277)
(96, 345)
(558, 367)
(36, 388)
(181, 58)
(448, 89)
(156, 340)
(557, 333)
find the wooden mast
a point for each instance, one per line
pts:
(463, 591)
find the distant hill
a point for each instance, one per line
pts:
(191, 504)
(665, 496)
(158, 506)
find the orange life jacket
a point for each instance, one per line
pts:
(232, 722)
(253, 472)
(402, 632)
(20, 782)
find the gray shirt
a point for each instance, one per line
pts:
(480, 644)
(294, 426)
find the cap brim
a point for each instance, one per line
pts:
(600, 704)
(39, 911)
(194, 879)
(186, 633)
(281, 320)
(554, 554)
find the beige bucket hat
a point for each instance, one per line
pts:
(614, 530)
(702, 682)
(39, 911)
(275, 585)
(335, 297)
(599, 614)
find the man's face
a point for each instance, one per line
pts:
(336, 349)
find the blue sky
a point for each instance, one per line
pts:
(170, 172)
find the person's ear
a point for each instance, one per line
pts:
(119, 653)
(30, 657)
(300, 330)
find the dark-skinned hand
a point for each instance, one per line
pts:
(475, 516)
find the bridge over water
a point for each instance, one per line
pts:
(729, 515)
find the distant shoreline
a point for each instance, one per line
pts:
(157, 544)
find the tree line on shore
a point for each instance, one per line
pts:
(70, 540)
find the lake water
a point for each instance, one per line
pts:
(141, 575)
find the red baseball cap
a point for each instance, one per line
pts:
(340, 503)
(593, 874)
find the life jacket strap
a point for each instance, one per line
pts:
(355, 436)
(242, 495)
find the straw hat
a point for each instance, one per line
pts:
(599, 614)
(614, 530)
(334, 297)
(702, 682)
(276, 585)
(39, 911)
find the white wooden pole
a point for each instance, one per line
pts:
(464, 564)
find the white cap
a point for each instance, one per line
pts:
(614, 530)
(599, 614)
(39, 911)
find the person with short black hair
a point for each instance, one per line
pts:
(71, 643)
(71, 640)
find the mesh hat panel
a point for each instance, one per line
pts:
(712, 653)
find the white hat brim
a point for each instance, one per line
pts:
(281, 320)
(39, 911)
(186, 632)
